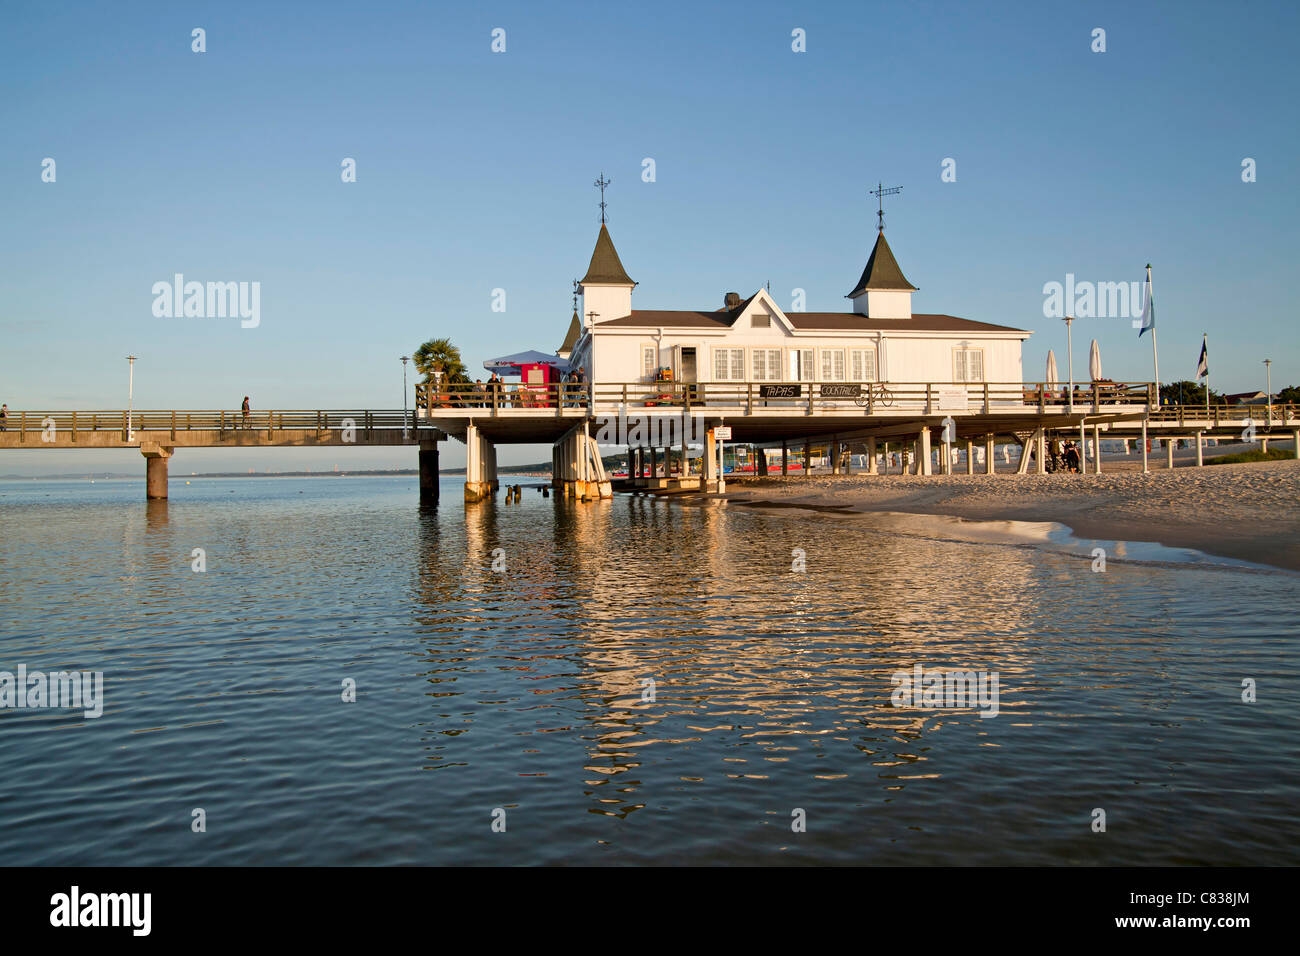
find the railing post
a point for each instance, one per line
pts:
(929, 398)
(987, 408)
(22, 428)
(126, 428)
(749, 398)
(173, 424)
(74, 426)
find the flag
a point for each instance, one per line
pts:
(1203, 366)
(1148, 311)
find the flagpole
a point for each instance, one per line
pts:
(1205, 347)
(1155, 352)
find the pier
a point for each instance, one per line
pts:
(772, 416)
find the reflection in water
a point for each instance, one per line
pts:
(528, 688)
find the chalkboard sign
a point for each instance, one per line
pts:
(780, 391)
(841, 391)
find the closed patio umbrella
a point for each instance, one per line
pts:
(1052, 377)
(1094, 362)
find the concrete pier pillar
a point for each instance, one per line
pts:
(1096, 449)
(428, 469)
(1200, 449)
(990, 451)
(807, 459)
(1040, 450)
(923, 453)
(873, 468)
(970, 457)
(477, 484)
(834, 455)
(490, 466)
(709, 473)
(1295, 436)
(785, 459)
(155, 470)
(1169, 451)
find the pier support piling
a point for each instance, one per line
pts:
(428, 469)
(872, 467)
(924, 466)
(155, 470)
(479, 475)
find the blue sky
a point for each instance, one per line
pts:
(474, 172)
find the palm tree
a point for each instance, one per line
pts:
(439, 355)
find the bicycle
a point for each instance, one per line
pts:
(873, 394)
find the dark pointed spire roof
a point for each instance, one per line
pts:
(882, 272)
(605, 267)
(571, 337)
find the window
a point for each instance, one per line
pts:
(760, 320)
(968, 365)
(801, 365)
(832, 365)
(728, 365)
(649, 363)
(862, 365)
(767, 365)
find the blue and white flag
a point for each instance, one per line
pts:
(1203, 366)
(1148, 310)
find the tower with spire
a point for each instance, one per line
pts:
(882, 292)
(606, 288)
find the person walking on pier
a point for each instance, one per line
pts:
(246, 409)
(4, 417)
(579, 379)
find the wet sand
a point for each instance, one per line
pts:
(1250, 512)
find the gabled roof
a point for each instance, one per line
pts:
(605, 267)
(807, 321)
(882, 272)
(571, 336)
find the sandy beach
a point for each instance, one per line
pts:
(1247, 511)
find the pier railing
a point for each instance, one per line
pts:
(807, 397)
(1279, 415)
(27, 422)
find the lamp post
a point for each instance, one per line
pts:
(1268, 371)
(405, 359)
(1069, 360)
(130, 398)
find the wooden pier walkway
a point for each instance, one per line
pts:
(572, 417)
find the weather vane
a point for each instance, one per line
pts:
(880, 192)
(575, 295)
(602, 182)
